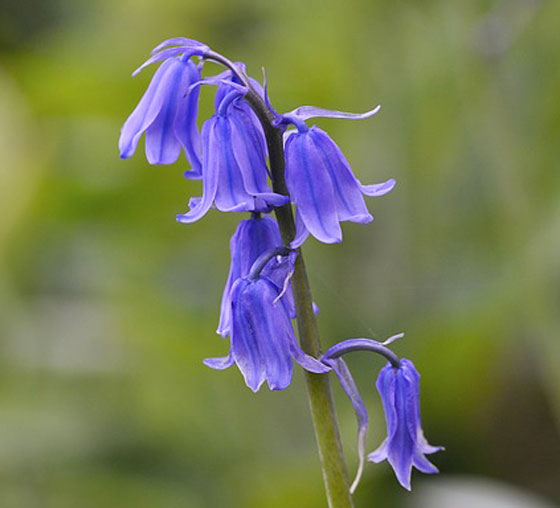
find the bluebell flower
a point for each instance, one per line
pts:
(168, 109)
(263, 343)
(234, 172)
(405, 445)
(320, 180)
(333, 358)
(252, 238)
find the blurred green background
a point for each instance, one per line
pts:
(108, 306)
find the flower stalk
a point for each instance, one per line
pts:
(325, 424)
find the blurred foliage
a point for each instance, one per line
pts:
(108, 306)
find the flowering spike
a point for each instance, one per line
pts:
(257, 302)
(405, 445)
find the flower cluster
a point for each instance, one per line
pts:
(229, 154)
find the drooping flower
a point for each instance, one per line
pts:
(320, 180)
(252, 238)
(263, 343)
(333, 358)
(234, 172)
(405, 445)
(168, 109)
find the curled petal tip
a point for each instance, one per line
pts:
(393, 338)
(219, 363)
(307, 112)
(178, 41)
(379, 189)
(165, 54)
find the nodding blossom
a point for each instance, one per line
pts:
(320, 179)
(398, 385)
(252, 238)
(405, 445)
(263, 343)
(167, 111)
(234, 172)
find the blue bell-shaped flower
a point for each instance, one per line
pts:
(405, 445)
(263, 342)
(234, 171)
(167, 111)
(320, 180)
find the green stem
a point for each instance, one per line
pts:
(335, 476)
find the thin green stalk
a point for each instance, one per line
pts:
(335, 476)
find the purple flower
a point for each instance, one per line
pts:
(333, 358)
(263, 342)
(405, 445)
(252, 238)
(168, 109)
(320, 180)
(234, 171)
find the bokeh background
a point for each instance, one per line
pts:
(108, 306)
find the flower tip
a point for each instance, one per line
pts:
(361, 218)
(223, 330)
(403, 477)
(376, 457)
(379, 189)
(354, 485)
(254, 387)
(393, 338)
